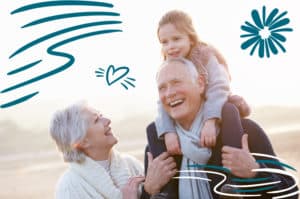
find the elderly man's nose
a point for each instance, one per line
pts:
(170, 92)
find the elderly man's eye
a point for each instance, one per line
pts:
(176, 82)
(164, 42)
(162, 88)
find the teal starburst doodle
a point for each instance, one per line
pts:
(116, 74)
(266, 33)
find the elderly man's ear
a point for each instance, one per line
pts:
(202, 82)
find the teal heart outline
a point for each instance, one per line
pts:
(114, 70)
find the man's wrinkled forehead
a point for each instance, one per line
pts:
(170, 70)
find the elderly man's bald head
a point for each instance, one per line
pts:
(189, 66)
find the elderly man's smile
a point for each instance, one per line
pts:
(176, 103)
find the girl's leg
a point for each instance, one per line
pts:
(231, 135)
(231, 128)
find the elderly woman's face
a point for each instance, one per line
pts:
(99, 134)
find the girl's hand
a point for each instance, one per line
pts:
(172, 143)
(208, 134)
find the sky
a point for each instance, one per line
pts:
(261, 81)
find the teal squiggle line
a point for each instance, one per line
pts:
(249, 179)
(210, 167)
(61, 3)
(124, 86)
(131, 78)
(128, 82)
(69, 15)
(59, 32)
(19, 100)
(51, 51)
(276, 163)
(254, 190)
(24, 67)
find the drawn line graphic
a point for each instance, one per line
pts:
(61, 3)
(251, 187)
(115, 74)
(60, 32)
(70, 15)
(249, 179)
(267, 33)
(23, 67)
(52, 49)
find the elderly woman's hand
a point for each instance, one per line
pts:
(130, 190)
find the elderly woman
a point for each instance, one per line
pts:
(85, 138)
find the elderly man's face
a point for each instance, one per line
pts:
(179, 93)
(99, 134)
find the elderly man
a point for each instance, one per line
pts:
(96, 170)
(181, 93)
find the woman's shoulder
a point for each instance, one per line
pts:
(66, 179)
(133, 163)
(130, 159)
(65, 182)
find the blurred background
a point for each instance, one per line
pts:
(30, 165)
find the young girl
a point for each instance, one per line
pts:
(178, 37)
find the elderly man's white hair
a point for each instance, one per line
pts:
(67, 127)
(190, 66)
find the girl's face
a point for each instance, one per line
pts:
(174, 43)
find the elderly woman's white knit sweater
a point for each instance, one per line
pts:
(90, 180)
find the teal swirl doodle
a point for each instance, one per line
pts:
(248, 187)
(53, 48)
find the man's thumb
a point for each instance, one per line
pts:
(245, 142)
(150, 158)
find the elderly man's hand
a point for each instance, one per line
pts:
(239, 161)
(160, 171)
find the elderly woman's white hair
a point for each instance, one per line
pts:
(68, 127)
(190, 66)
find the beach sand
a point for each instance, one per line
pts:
(30, 165)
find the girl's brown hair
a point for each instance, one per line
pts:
(183, 23)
